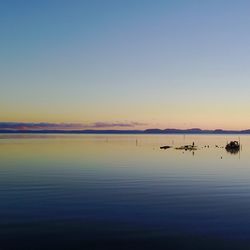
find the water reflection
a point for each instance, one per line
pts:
(120, 189)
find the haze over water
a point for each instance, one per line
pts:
(123, 192)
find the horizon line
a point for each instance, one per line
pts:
(126, 131)
(100, 126)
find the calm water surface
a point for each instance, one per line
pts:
(123, 192)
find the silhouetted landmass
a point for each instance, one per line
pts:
(147, 131)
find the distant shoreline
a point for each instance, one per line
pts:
(147, 131)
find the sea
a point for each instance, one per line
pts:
(123, 192)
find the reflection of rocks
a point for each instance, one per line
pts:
(233, 150)
(233, 147)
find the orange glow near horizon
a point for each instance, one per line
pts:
(152, 116)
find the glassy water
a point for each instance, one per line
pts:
(123, 192)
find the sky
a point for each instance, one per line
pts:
(126, 63)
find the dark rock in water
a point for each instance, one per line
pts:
(165, 147)
(187, 147)
(233, 147)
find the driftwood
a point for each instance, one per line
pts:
(165, 147)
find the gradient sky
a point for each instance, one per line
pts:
(152, 63)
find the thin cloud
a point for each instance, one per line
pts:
(36, 126)
(118, 124)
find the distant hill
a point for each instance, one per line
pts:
(195, 131)
(147, 131)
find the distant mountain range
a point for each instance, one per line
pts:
(147, 131)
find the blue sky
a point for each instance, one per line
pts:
(156, 63)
